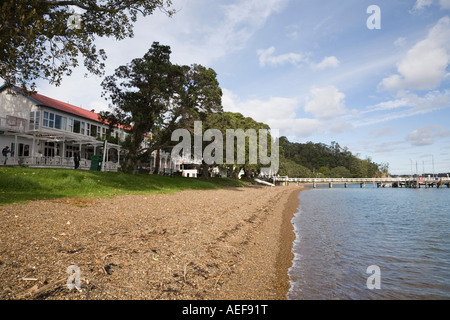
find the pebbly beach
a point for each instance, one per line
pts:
(225, 244)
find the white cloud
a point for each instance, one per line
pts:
(407, 105)
(327, 62)
(267, 57)
(424, 66)
(279, 113)
(400, 42)
(425, 136)
(445, 4)
(421, 5)
(273, 109)
(200, 32)
(325, 103)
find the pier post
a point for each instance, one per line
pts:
(346, 185)
(331, 185)
(314, 184)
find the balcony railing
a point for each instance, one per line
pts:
(55, 162)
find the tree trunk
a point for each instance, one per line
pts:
(205, 171)
(248, 173)
(157, 160)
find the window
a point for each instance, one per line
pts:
(24, 150)
(49, 119)
(83, 127)
(93, 131)
(88, 129)
(37, 120)
(70, 125)
(32, 121)
(49, 150)
(76, 126)
(60, 122)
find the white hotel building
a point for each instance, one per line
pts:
(44, 132)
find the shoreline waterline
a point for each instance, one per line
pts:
(285, 257)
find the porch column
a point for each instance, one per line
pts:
(63, 155)
(16, 147)
(33, 148)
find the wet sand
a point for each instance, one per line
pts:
(227, 244)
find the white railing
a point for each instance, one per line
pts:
(55, 162)
(362, 180)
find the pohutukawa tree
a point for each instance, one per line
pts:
(36, 42)
(150, 95)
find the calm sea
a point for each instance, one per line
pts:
(405, 233)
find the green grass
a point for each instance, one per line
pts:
(24, 184)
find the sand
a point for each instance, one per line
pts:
(227, 244)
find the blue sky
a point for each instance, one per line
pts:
(312, 69)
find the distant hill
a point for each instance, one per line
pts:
(311, 160)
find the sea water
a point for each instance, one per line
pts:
(344, 234)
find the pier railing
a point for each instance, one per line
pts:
(400, 181)
(360, 180)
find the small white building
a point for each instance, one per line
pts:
(44, 132)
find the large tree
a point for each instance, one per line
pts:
(37, 42)
(150, 95)
(197, 95)
(250, 145)
(140, 93)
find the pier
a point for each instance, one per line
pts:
(410, 182)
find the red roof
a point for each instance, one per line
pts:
(65, 107)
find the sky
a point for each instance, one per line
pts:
(376, 82)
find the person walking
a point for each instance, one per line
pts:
(76, 159)
(5, 152)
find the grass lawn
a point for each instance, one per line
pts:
(22, 184)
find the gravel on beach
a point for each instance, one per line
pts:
(227, 244)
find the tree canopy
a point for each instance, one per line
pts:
(152, 96)
(321, 160)
(36, 42)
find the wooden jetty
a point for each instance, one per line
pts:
(410, 182)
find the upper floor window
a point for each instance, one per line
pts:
(60, 122)
(49, 119)
(35, 119)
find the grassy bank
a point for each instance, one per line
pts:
(23, 184)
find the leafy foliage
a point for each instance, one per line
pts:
(35, 41)
(152, 96)
(320, 160)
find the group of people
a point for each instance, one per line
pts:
(76, 156)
